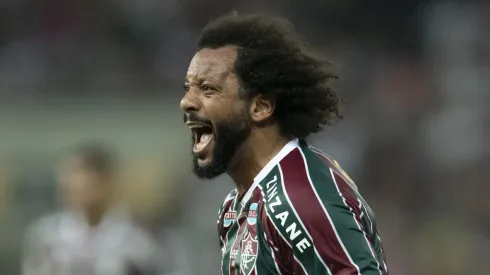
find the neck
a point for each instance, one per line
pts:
(94, 215)
(253, 155)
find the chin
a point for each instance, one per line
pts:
(214, 145)
(203, 163)
(207, 168)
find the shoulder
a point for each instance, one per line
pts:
(307, 187)
(229, 197)
(305, 173)
(310, 175)
(43, 227)
(292, 182)
(226, 204)
(330, 163)
(227, 201)
(46, 222)
(314, 211)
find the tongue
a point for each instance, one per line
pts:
(205, 138)
(203, 141)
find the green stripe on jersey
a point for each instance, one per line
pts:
(231, 237)
(265, 263)
(353, 238)
(284, 218)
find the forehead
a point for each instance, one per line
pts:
(212, 63)
(71, 164)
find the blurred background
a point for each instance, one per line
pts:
(415, 137)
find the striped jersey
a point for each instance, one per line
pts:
(302, 215)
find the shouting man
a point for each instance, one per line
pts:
(253, 93)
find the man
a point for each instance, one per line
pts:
(253, 93)
(94, 234)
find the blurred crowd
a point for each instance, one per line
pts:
(415, 137)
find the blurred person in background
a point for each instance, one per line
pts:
(94, 233)
(253, 93)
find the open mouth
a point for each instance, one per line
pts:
(202, 134)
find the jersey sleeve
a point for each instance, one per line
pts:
(312, 244)
(342, 245)
(316, 227)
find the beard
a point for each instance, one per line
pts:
(228, 136)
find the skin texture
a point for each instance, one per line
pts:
(244, 139)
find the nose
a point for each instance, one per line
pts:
(189, 102)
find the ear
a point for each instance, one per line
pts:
(261, 108)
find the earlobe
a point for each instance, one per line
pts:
(261, 108)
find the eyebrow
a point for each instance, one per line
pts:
(201, 80)
(198, 80)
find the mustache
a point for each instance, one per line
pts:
(194, 117)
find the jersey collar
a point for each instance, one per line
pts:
(290, 146)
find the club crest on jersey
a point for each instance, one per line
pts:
(229, 217)
(252, 214)
(249, 254)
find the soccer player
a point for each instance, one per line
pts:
(254, 92)
(93, 234)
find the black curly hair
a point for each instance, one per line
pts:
(274, 61)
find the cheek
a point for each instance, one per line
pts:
(224, 109)
(78, 187)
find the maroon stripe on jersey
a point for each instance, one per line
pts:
(221, 228)
(345, 188)
(280, 249)
(309, 209)
(349, 195)
(352, 201)
(351, 198)
(242, 223)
